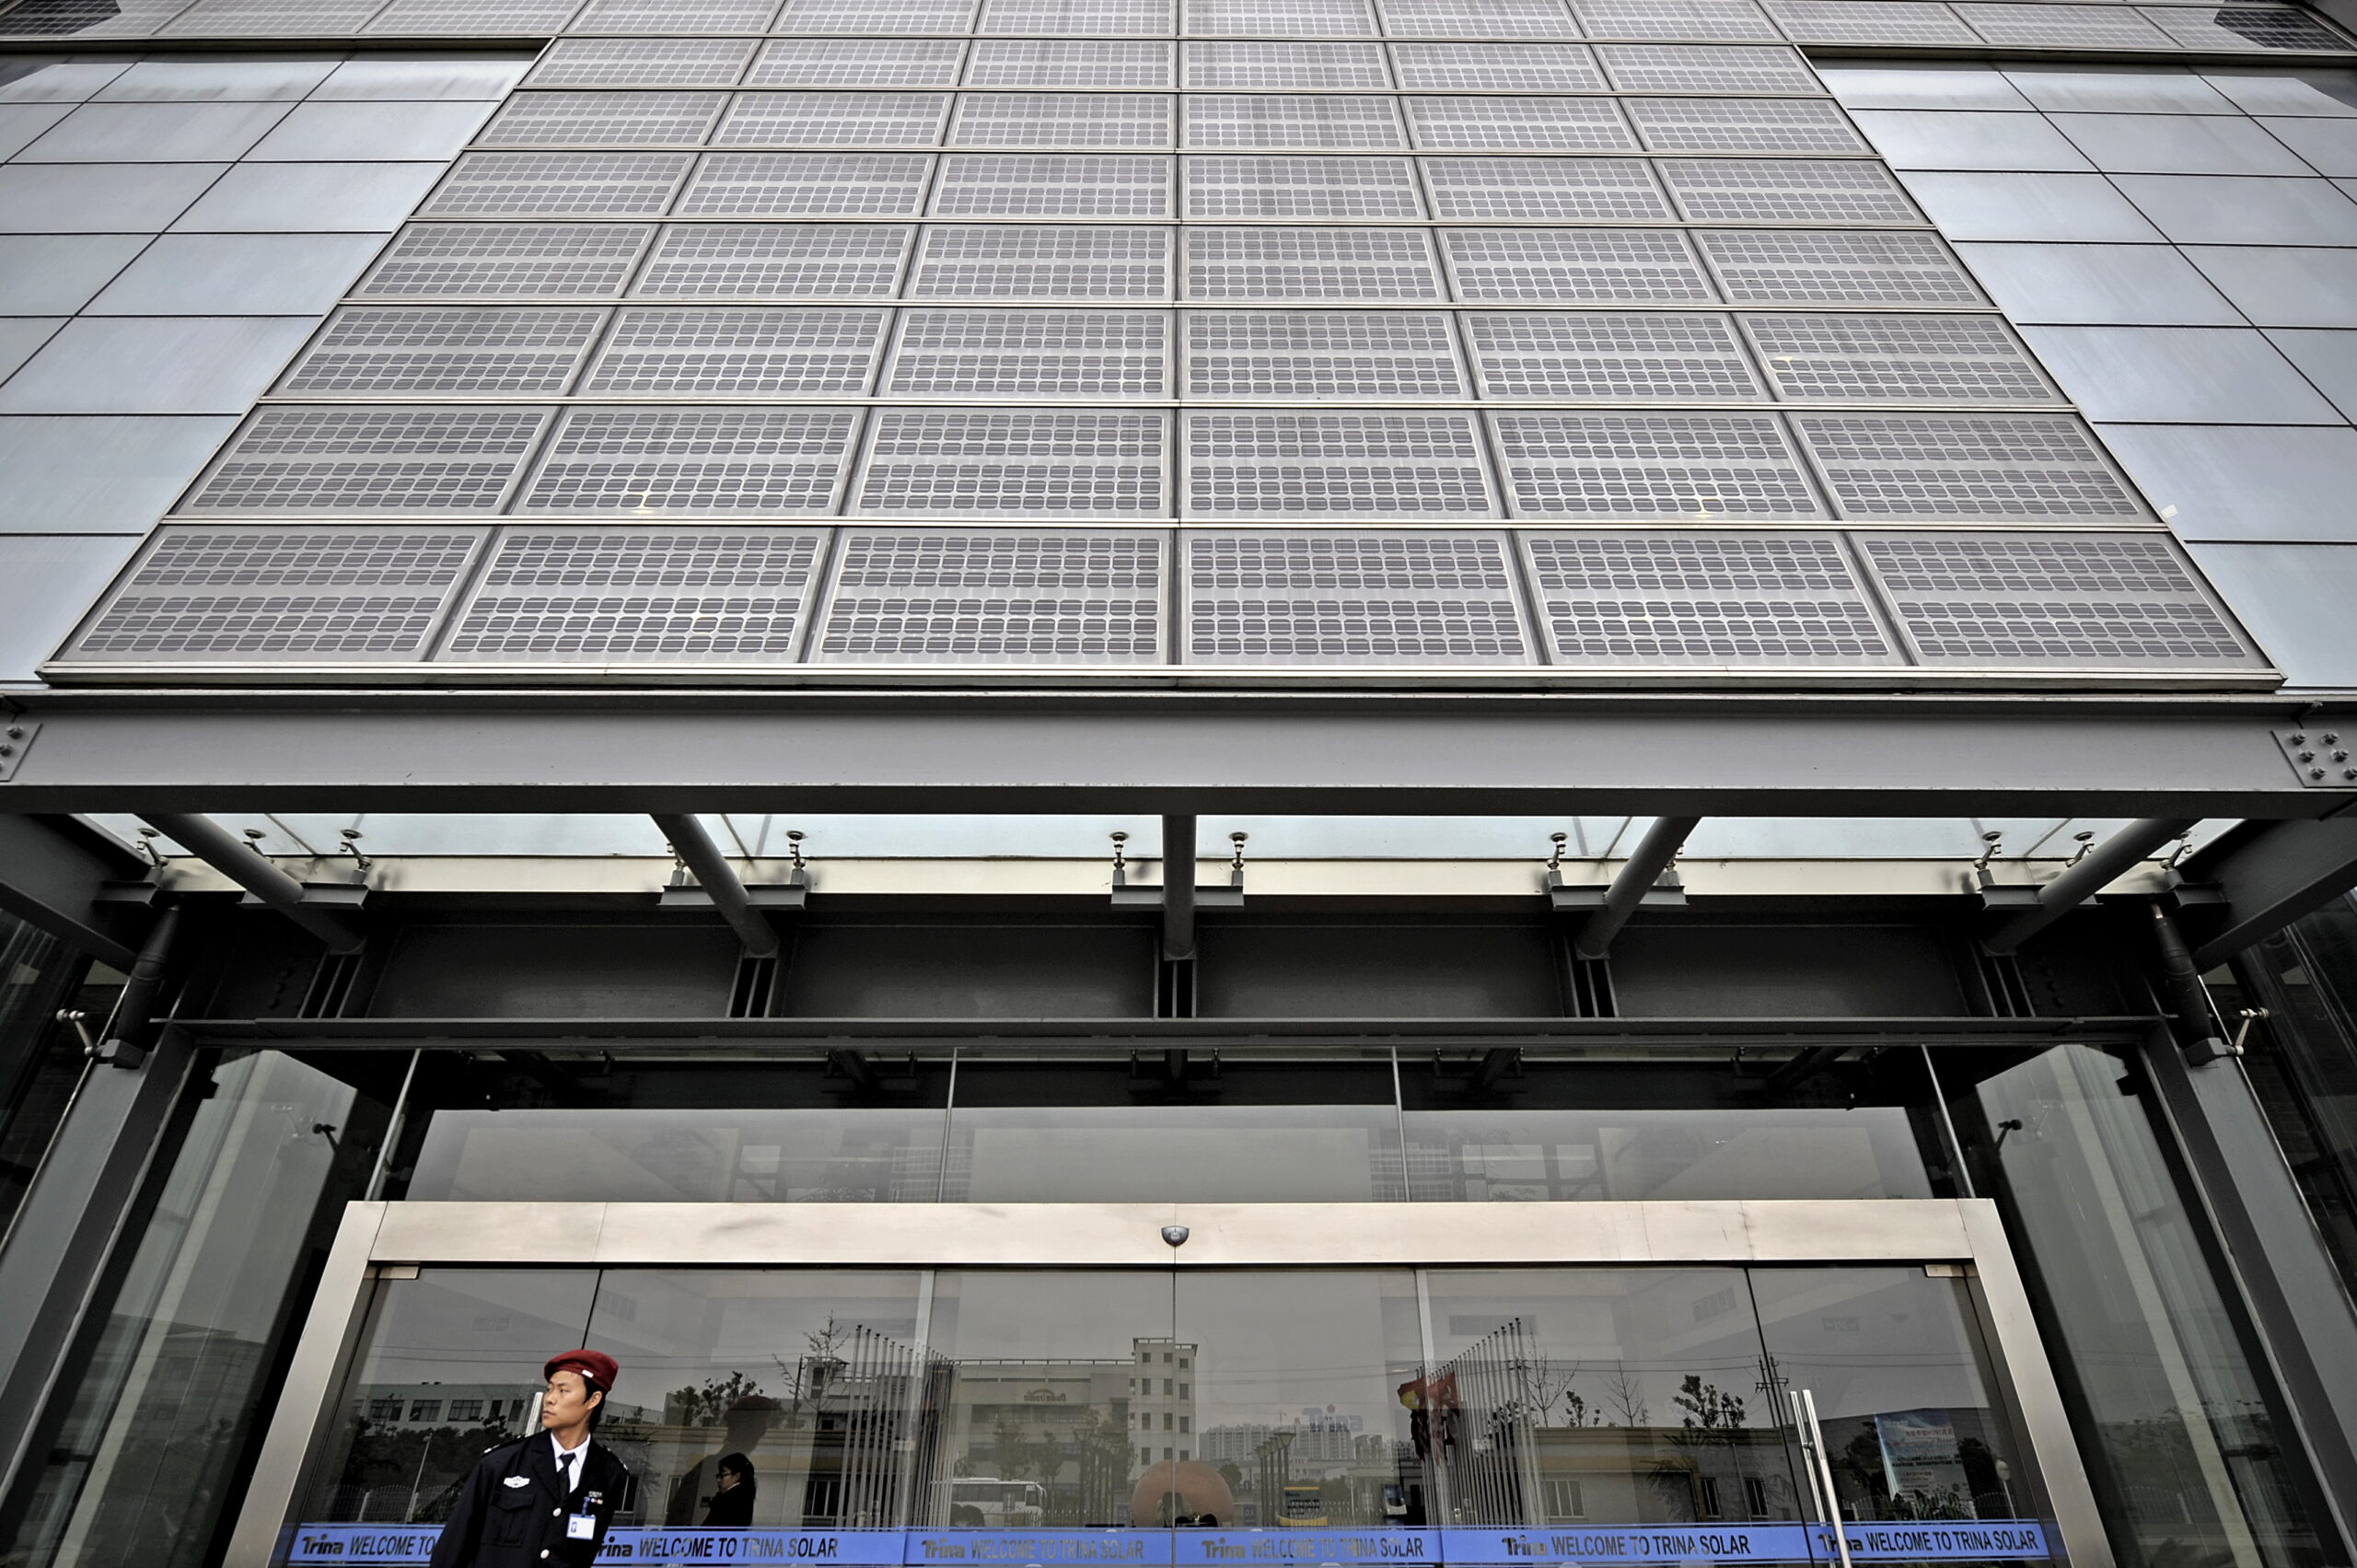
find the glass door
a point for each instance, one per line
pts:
(1588, 1417)
(1885, 1380)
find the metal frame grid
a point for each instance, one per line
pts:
(552, 595)
(1303, 262)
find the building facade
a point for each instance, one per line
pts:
(1171, 782)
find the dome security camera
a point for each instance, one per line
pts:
(1176, 1235)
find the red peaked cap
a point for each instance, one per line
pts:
(595, 1366)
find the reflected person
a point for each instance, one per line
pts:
(732, 1498)
(743, 1426)
(547, 1498)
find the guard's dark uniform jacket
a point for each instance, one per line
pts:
(512, 1512)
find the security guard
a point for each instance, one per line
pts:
(543, 1500)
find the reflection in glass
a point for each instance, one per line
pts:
(1298, 1402)
(1895, 1366)
(1616, 1396)
(809, 1375)
(1233, 1153)
(2167, 1410)
(1562, 1155)
(1055, 1383)
(166, 1393)
(853, 1155)
(452, 1366)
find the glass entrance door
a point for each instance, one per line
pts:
(1581, 1417)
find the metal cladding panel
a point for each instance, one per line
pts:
(1387, 597)
(1007, 596)
(1032, 288)
(1694, 597)
(638, 595)
(202, 593)
(2056, 600)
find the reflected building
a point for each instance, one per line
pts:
(1170, 784)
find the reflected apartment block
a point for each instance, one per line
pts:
(963, 722)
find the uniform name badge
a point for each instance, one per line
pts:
(584, 1527)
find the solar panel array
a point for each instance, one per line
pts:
(1042, 301)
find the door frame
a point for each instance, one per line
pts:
(378, 1239)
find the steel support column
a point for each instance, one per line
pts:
(1642, 869)
(62, 1235)
(50, 874)
(2278, 1263)
(2273, 873)
(239, 861)
(718, 879)
(2104, 865)
(1179, 886)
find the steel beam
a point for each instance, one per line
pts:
(50, 870)
(2104, 865)
(1461, 753)
(1179, 886)
(2273, 873)
(1642, 869)
(718, 879)
(239, 861)
(1084, 1035)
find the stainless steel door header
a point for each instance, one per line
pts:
(1129, 1234)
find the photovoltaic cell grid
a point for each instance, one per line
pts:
(599, 595)
(695, 273)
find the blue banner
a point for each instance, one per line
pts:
(1586, 1546)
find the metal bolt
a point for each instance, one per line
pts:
(7, 751)
(2315, 773)
(2308, 756)
(2330, 736)
(1555, 861)
(1120, 851)
(2349, 773)
(2299, 740)
(2342, 756)
(1237, 840)
(16, 732)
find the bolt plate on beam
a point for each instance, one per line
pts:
(760, 895)
(1148, 895)
(2325, 759)
(15, 739)
(1592, 897)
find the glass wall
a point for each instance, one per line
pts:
(2302, 1059)
(142, 1459)
(1339, 1128)
(1203, 1417)
(41, 1059)
(2170, 1415)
